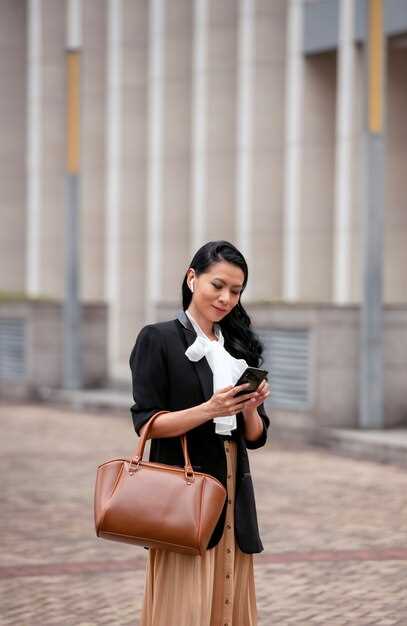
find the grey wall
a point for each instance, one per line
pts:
(40, 357)
(321, 18)
(13, 53)
(334, 359)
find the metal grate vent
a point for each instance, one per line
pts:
(287, 358)
(12, 342)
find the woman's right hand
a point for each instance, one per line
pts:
(223, 402)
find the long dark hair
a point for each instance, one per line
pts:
(240, 340)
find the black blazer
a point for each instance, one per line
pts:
(165, 379)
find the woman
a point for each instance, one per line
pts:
(189, 366)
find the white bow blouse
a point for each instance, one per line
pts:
(226, 368)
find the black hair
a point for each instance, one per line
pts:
(240, 340)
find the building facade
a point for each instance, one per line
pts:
(200, 119)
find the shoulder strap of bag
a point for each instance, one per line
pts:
(138, 453)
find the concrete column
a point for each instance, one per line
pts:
(244, 140)
(13, 56)
(34, 145)
(221, 119)
(51, 233)
(395, 223)
(315, 220)
(155, 144)
(113, 177)
(133, 245)
(199, 129)
(46, 148)
(293, 136)
(266, 141)
(344, 155)
(176, 147)
(93, 150)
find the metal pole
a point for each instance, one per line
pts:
(371, 412)
(72, 308)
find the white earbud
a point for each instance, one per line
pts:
(192, 285)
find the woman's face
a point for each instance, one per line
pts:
(217, 290)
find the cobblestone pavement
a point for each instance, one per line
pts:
(334, 530)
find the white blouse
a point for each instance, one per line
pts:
(226, 368)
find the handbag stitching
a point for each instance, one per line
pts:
(200, 511)
(111, 495)
(119, 475)
(141, 539)
(163, 465)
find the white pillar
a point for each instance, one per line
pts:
(34, 146)
(74, 30)
(293, 140)
(113, 177)
(244, 130)
(199, 111)
(343, 172)
(155, 157)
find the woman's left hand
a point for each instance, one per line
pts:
(262, 392)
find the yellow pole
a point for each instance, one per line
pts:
(375, 64)
(371, 388)
(73, 111)
(72, 305)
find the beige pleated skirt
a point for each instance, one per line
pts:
(216, 589)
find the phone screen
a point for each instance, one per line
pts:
(252, 375)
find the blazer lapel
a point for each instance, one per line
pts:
(201, 367)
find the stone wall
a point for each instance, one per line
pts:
(334, 360)
(31, 358)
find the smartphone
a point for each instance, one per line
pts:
(252, 375)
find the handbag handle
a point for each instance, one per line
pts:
(138, 454)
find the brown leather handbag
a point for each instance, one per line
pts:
(157, 505)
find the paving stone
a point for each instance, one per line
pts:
(333, 528)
